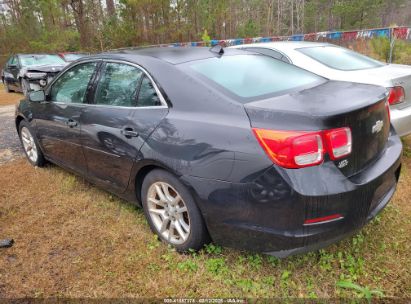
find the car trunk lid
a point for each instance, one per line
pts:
(388, 76)
(332, 105)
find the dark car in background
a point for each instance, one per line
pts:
(70, 57)
(26, 72)
(227, 145)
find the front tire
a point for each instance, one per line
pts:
(171, 211)
(6, 86)
(30, 145)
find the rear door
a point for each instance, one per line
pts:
(58, 120)
(124, 110)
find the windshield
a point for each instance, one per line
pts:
(28, 60)
(72, 57)
(252, 77)
(340, 58)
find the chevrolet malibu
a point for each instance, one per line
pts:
(338, 63)
(222, 145)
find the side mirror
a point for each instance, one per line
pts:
(37, 96)
(12, 66)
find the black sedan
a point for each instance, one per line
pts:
(221, 145)
(26, 72)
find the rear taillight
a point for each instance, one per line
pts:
(338, 142)
(298, 149)
(396, 95)
(291, 149)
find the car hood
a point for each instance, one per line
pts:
(45, 68)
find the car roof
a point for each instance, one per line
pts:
(287, 45)
(173, 55)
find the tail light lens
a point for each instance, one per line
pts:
(298, 149)
(339, 142)
(396, 95)
(291, 149)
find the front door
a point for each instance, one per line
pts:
(11, 73)
(125, 109)
(58, 119)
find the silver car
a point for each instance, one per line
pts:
(338, 63)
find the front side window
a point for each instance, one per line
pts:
(251, 77)
(147, 96)
(71, 87)
(13, 60)
(118, 85)
(340, 58)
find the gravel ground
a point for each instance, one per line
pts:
(10, 147)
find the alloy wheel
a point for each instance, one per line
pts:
(168, 213)
(29, 145)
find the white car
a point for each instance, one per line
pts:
(338, 63)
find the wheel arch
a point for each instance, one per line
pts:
(145, 169)
(18, 120)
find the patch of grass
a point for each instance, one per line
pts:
(216, 266)
(188, 266)
(7, 99)
(362, 292)
(74, 240)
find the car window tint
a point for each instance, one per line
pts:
(13, 60)
(71, 87)
(269, 52)
(147, 95)
(118, 85)
(340, 58)
(253, 76)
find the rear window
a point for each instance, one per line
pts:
(252, 77)
(340, 58)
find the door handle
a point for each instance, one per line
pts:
(71, 123)
(129, 132)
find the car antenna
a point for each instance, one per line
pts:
(217, 49)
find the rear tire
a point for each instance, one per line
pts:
(172, 212)
(30, 145)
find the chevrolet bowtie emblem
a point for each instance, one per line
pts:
(378, 126)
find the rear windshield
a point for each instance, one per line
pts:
(252, 77)
(28, 60)
(340, 58)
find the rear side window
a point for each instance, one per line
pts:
(340, 58)
(118, 85)
(251, 77)
(147, 96)
(71, 87)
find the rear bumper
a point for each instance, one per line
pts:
(401, 120)
(330, 240)
(268, 214)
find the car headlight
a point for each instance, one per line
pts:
(35, 75)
